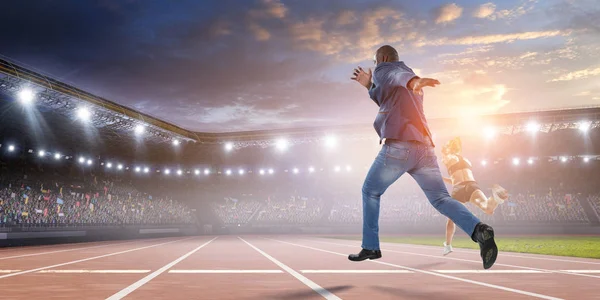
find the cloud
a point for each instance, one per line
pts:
(210, 68)
(515, 12)
(353, 43)
(488, 11)
(221, 28)
(580, 74)
(469, 51)
(346, 17)
(448, 13)
(583, 94)
(500, 61)
(469, 95)
(491, 39)
(593, 94)
(275, 8)
(259, 32)
(269, 9)
(484, 10)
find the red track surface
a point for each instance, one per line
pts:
(286, 267)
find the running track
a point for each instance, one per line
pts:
(283, 267)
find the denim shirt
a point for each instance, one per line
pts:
(401, 116)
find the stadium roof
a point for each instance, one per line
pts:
(64, 99)
(115, 122)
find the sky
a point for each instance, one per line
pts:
(233, 65)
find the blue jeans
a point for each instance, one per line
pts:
(418, 160)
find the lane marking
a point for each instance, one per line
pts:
(472, 261)
(95, 271)
(87, 259)
(583, 271)
(490, 271)
(128, 290)
(503, 288)
(356, 272)
(323, 292)
(526, 256)
(225, 271)
(8, 271)
(64, 250)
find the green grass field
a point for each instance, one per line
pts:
(578, 246)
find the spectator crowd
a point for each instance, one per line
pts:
(25, 201)
(406, 210)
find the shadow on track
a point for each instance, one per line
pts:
(415, 293)
(306, 294)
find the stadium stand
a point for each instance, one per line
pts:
(109, 165)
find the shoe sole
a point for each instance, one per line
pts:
(491, 249)
(369, 258)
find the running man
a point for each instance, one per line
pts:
(408, 148)
(465, 188)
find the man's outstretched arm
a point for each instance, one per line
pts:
(395, 77)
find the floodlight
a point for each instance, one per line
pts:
(26, 96)
(281, 144)
(533, 127)
(83, 113)
(139, 129)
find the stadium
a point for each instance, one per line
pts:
(100, 200)
(55, 189)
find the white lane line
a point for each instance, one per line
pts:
(356, 272)
(128, 290)
(86, 259)
(59, 251)
(503, 288)
(51, 246)
(529, 256)
(489, 271)
(8, 271)
(472, 261)
(226, 271)
(95, 271)
(583, 271)
(317, 288)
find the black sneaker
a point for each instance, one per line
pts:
(365, 254)
(484, 236)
